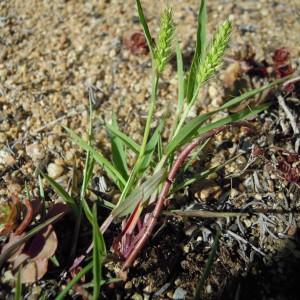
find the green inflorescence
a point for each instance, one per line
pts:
(214, 53)
(164, 46)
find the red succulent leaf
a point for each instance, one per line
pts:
(281, 55)
(136, 42)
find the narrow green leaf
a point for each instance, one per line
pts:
(178, 186)
(201, 31)
(208, 267)
(195, 155)
(180, 75)
(190, 126)
(55, 261)
(181, 90)
(62, 193)
(80, 274)
(247, 113)
(28, 194)
(191, 129)
(160, 150)
(112, 172)
(186, 131)
(42, 196)
(87, 175)
(145, 26)
(18, 292)
(99, 252)
(129, 142)
(250, 94)
(118, 152)
(150, 147)
(142, 193)
(74, 280)
(89, 164)
(199, 52)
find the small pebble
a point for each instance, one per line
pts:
(54, 170)
(186, 248)
(212, 91)
(177, 282)
(6, 158)
(35, 151)
(137, 296)
(128, 285)
(208, 289)
(247, 223)
(148, 289)
(179, 294)
(233, 193)
(2, 138)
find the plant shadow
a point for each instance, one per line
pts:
(276, 279)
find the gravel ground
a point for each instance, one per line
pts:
(52, 51)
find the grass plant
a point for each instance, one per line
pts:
(151, 178)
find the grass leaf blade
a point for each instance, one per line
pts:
(186, 131)
(192, 128)
(208, 267)
(62, 193)
(199, 53)
(118, 152)
(150, 148)
(250, 94)
(142, 193)
(112, 172)
(74, 280)
(129, 142)
(145, 26)
(99, 252)
(18, 292)
(180, 75)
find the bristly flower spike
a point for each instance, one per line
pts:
(214, 53)
(164, 46)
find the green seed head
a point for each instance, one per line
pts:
(164, 46)
(214, 53)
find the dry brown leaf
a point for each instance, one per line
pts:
(36, 254)
(34, 270)
(50, 244)
(12, 239)
(20, 259)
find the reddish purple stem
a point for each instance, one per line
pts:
(146, 232)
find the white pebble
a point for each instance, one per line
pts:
(6, 158)
(54, 170)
